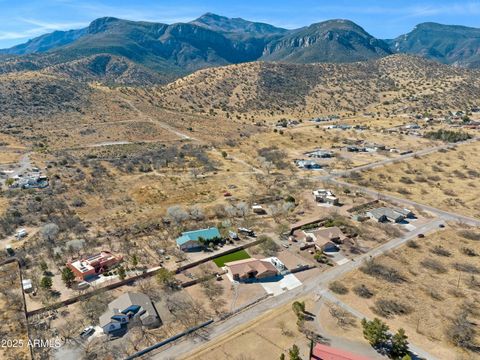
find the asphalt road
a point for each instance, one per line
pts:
(400, 158)
(446, 215)
(318, 285)
(311, 286)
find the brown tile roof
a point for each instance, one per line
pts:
(242, 268)
(325, 235)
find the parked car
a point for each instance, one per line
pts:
(441, 226)
(9, 250)
(21, 233)
(247, 232)
(421, 235)
(88, 331)
(82, 285)
(233, 235)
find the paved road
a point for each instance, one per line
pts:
(401, 158)
(310, 286)
(446, 215)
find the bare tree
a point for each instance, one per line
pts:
(196, 213)
(177, 214)
(49, 232)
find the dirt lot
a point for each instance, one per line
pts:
(344, 336)
(262, 338)
(447, 180)
(438, 282)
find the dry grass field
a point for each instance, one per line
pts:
(445, 179)
(430, 287)
(267, 337)
(294, 142)
(264, 90)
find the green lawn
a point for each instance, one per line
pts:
(237, 255)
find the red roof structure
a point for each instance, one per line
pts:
(324, 352)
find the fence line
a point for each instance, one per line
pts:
(132, 279)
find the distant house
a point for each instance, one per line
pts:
(127, 310)
(405, 212)
(259, 210)
(93, 265)
(192, 240)
(308, 164)
(329, 234)
(27, 285)
(251, 269)
(324, 352)
(384, 214)
(325, 196)
(34, 181)
(325, 239)
(322, 154)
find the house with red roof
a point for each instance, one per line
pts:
(324, 352)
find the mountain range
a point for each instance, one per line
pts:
(119, 51)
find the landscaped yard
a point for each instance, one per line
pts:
(237, 255)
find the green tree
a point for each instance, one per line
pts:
(224, 154)
(282, 356)
(121, 273)
(294, 353)
(298, 308)
(134, 260)
(43, 266)
(46, 283)
(399, 344)
(375, 331)
(68, 277)
(165, 278)
(9, 181)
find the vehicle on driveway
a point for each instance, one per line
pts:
(247, 232)
(88, 331)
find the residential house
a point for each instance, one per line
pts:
(384, 214)
(27, 285)
(324, 352)
(325, 196)
(320, 154)
(195, 240)
(374, 147)
(93, 265)
(251, 269)
(308, 164)
(127, 310)
(258, 209)
(405, 212)
(34, 181)
(333, 233)
(325, 239)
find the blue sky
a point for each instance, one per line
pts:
(21, 20)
